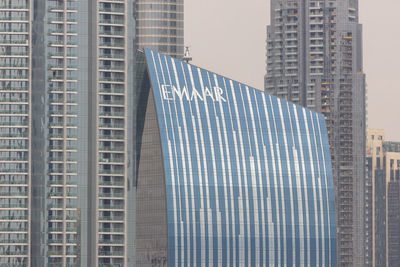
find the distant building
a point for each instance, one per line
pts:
(382, 198)
(229, 175)
(159, 26)
(314, 59)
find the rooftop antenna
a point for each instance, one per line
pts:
(187, 58)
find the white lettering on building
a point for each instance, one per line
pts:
(171, 92)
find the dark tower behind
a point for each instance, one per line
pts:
(314, 59)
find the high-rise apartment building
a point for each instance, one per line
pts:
(382, 200)
(15, 132)
(67, 109)
(314, 58)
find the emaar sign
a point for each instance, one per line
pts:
(171, 92)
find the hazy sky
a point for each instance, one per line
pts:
(228, 37)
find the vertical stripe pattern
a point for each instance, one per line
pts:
(248, 175)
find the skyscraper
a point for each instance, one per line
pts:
(159, 26)
(314, 58)
(229, 175)
(382, 200)
(66, 130)
(15, 131)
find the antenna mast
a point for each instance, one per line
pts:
(187, 58)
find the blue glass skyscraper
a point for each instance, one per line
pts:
(228, 174)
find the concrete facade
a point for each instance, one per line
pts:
(67, 118)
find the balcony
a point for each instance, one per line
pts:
(111, 171)
(112, 79)
(111, 218)
(14, 135)
(9, 65)
(13, 253)
(14, 147)
(13, 218)
(112, 102)
(8, 182)
(118, 161)
(112, 137)
(55, 206)
(14, 112)
(108, 67)
(10, 229)
(111, 195)
(111, 10)
(111, 125)
(13, 206)
(109, 265)
(9, 30)
(60, 229)
(111, 242)
(61, 54)
(111, 253)
(112, 21)
(61, 159)
(61, 89)
(112, 56)
(111, 44)
(108, 148)
(112, 91)
(54, 241)
(62, 101)
(56, 124)
(111, 183)
(111, 206)
(13, 54)
(13, 194)
(22, 7)
(16, 99)
(13, 241)
(112, 230)
(56, 194)
(14, 171)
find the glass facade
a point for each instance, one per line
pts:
(244, 178)
(159, 26)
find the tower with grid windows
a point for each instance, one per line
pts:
(67, 99)
(314, 59)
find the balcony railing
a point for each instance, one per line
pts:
(111, 253)
(111, 183)
(111, 207)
